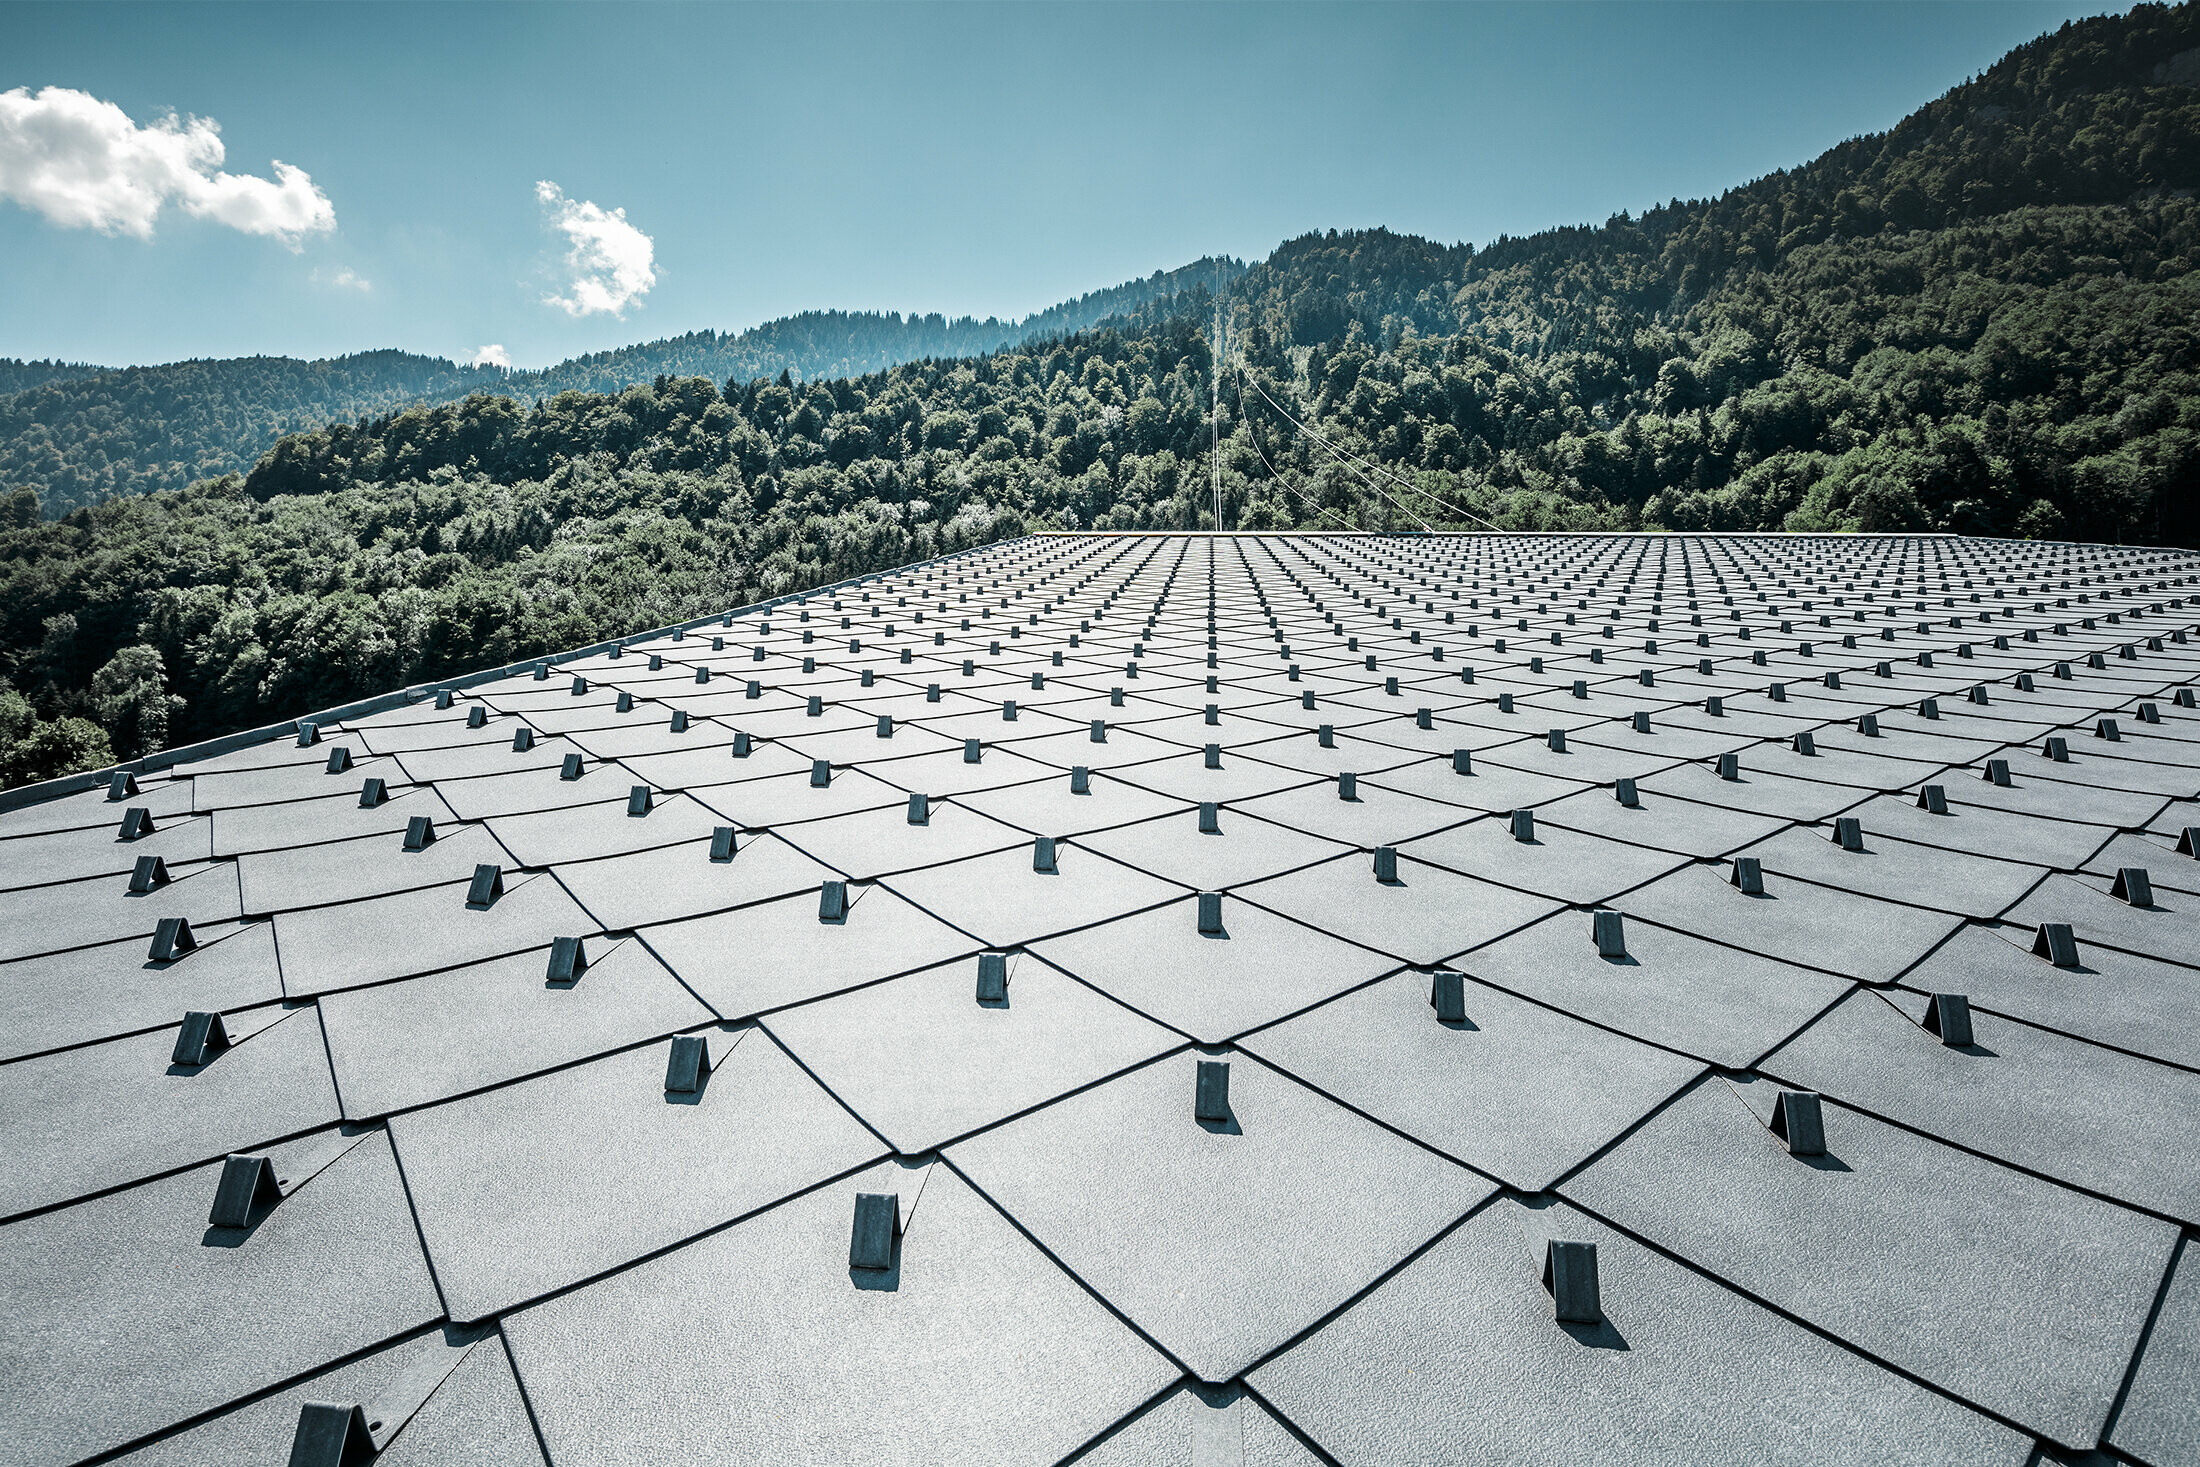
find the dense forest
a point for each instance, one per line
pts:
(1981, 322)
(849, 343)
(20, 376)
(76, 435)
(80, 439)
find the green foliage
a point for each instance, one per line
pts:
(20, 376)
(131, 699)
(79, 440)
(32, 748)
(2002, 287)
(1947, 380)
(78, 435)
(359, 558)
(825, 344)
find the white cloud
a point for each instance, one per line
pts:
(84, 164)
(613, 264)
(492, 356)
(345, 279)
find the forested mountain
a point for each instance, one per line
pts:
(1982, 321)
(18, 376)
(76, 435)
(848, 343)
(131, 431)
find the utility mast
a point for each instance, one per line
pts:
(1214, 383)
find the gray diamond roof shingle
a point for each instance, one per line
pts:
(684, 1098)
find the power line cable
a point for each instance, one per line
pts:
(1275, 475)
(1214, 413)
(1333, 449)
(1367, 466)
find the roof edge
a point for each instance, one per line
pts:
(23, 796)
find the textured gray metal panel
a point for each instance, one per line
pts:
(302, 777)
(1982, 831)
(1461, 1349)
(100, 909)
(1895, 870)
(1796, 921)
(671, 882)
(400, 1045)
(1199, 1426)
(1659, 822)
(1494, 701)
(2160, 1421)
(776, 953)
(923, 1064)
(633, 1369)
(1513, 1089)
(301, 824)
(475, 1414)
(365, 866)
(2168, 929)
(2035, 1317)
(1672, 988)
(95, 993)
(134, 1291)
(86, 1120)
(1217, 1239)
(875, 843)
(1553, 861)
(1241, 847)
(533, 1187)
(1003, 902)
(325, 949)
(1256, 968)
(2125, 1127)
(2137, 1003)
(42, 860)
(1426, 916)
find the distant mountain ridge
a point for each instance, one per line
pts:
(1717, 294)
(76, 434)
(825, 344)
(20, 376)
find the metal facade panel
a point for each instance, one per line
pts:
(1222, 1091)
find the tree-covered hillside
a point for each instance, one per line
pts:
(448, 537)
(2034, 373)
(80, 440)
(77, 435)
(20, 376)
(849, 343)
(1982, 321)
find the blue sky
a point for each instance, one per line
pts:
(452, 172)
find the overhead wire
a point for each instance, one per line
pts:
(1364, 467)
(1276, 475)
(1317, 437)
(1216, 450)
(1367, 467)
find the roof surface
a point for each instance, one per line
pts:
(1203, 1000)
